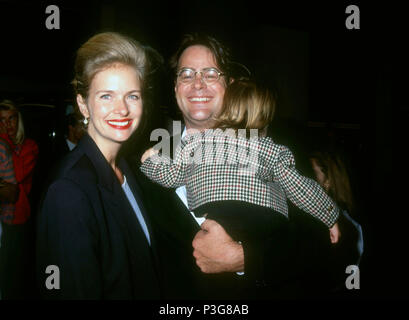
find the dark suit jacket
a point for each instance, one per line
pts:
(175, 229)
(88, 229)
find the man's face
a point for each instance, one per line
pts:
(77, 131)
(198, 101)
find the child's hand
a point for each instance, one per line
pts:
(334, 233)
(148, 153)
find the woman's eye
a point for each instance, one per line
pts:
(106, 96)
(133, 97)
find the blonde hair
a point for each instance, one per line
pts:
(8, 105)
(103, 51)
(246, 106)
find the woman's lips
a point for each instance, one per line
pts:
(120, 124)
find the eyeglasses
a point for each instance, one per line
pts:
(209, 75)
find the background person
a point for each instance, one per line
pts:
(331, 173)
(8, 196)
(75, 130)
(93, 224)
(17, 232)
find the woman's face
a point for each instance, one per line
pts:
(9, 120)
(114, 105)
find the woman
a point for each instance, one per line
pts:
(332, 175)
(93, 226)
(25, 155)
(16, 238)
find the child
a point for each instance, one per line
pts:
(236, 180)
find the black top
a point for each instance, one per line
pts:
(88, 229)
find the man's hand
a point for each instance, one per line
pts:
(215, 251)
(334, 233)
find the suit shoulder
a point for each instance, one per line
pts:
(77, 168)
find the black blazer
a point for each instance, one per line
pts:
(88, 229)
(175, 229)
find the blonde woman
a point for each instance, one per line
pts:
(17, 228)
(93, 225)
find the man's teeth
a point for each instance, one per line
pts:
(122, 123)
(201, 99)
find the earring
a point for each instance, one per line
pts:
(85, 121)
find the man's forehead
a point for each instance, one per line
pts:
(197, 56)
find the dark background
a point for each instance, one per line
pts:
(332, 84)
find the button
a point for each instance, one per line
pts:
(192, 154)
(330, 208)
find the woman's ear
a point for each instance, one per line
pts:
(82, 105)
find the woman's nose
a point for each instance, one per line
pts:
(121, 108)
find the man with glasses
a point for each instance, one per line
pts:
(217, 266)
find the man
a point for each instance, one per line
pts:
(74, 132)
(224, 268)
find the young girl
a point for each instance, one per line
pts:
(236, 177)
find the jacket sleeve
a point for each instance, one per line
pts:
(68, 238)
(305, 193)
(170, 173)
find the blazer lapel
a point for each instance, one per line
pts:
(115, 201)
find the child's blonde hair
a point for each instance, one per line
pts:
(246, 106)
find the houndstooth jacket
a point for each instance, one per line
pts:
(216, 165)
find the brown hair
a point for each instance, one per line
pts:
(220, 53)
(105, 50)
(335, 171)
(246, 106)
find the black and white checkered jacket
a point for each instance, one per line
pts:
(217, 166)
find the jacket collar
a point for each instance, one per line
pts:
(105, 173)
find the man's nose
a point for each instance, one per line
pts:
(199, 82)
